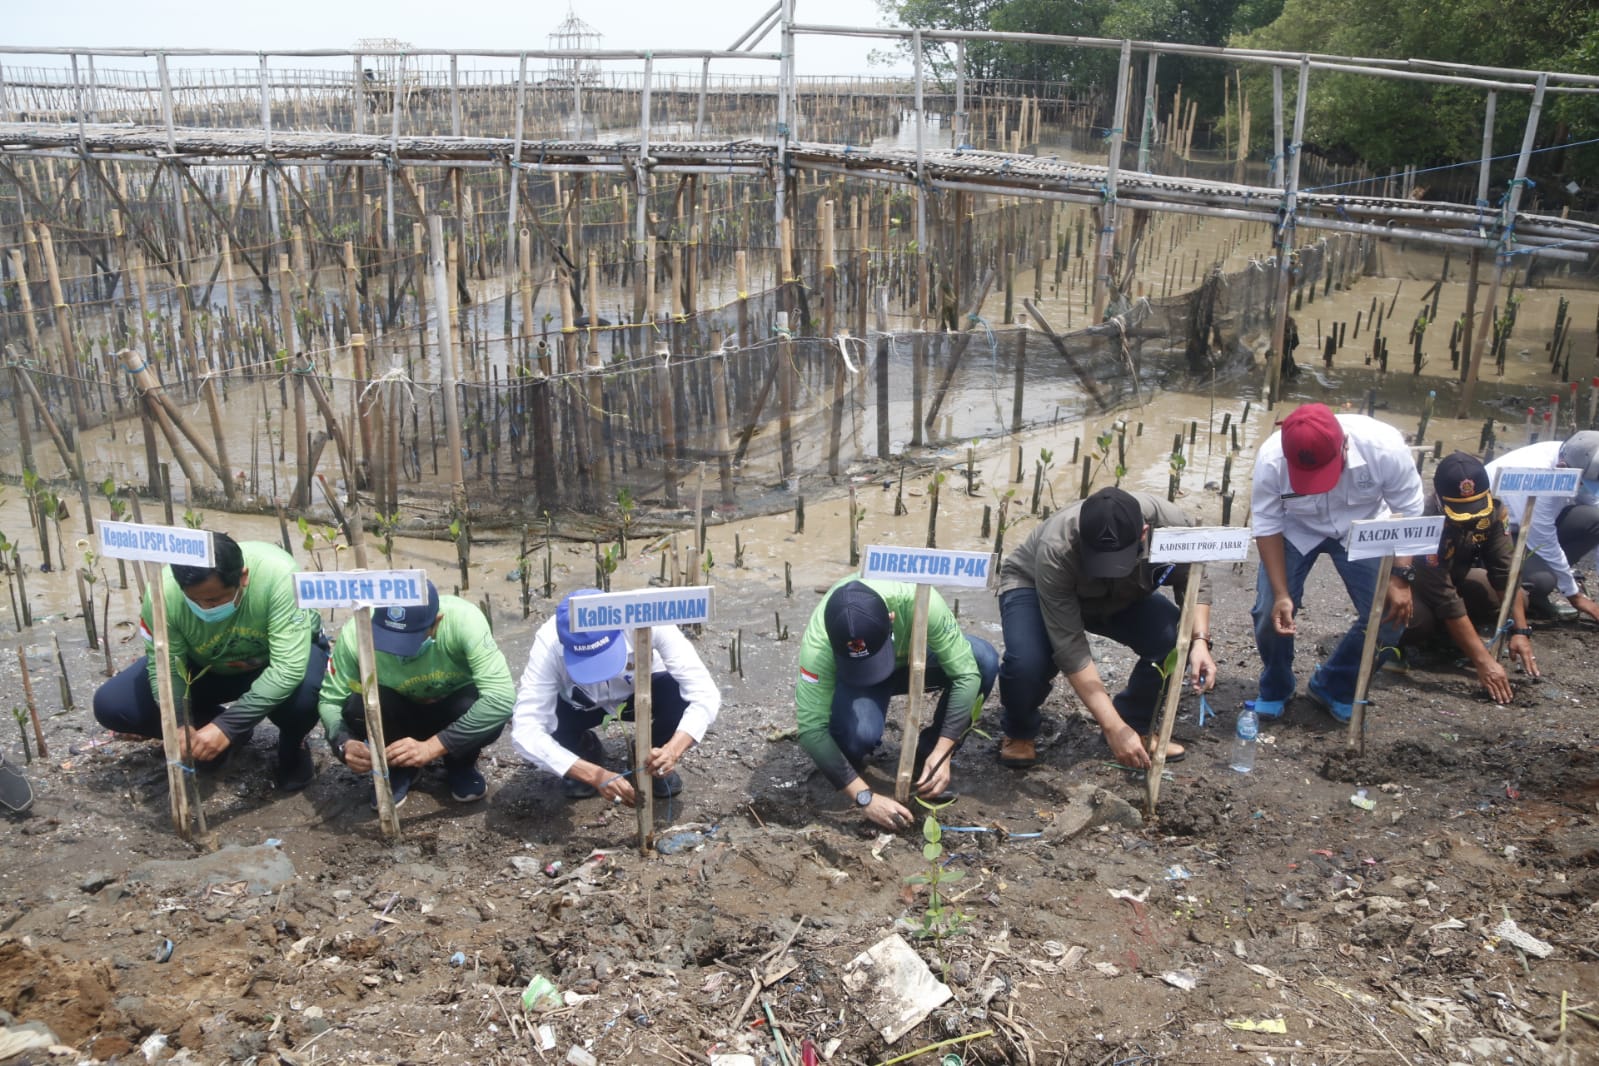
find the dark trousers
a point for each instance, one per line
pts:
(1147, 626)
(125, 703)
(666, 712)
(405, 717)
(859, 713)
(1482, 607)
(1577, 530)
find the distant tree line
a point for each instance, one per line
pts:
(1385, 123)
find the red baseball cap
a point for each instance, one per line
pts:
(1313, 444)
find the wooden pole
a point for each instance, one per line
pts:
(33, 706)
(1174, 689)
(180, 767)
(1368, 653)
(643, 715)
(452, 413)
(388, 817)
(1512, 586)
(912, 731)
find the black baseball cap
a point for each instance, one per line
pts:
(1110, 526)
(401, 630)
(861, 633)
(1461, 482)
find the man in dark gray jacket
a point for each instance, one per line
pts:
(1086, 569)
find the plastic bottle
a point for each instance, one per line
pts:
(1245, 740)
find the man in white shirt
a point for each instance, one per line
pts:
(1314, 477)
(576, 681)
(1564, 529)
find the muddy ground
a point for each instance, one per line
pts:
(1251, 903)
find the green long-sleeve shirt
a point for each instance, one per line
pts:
(463, 653)
(813, 690)
(267, 630)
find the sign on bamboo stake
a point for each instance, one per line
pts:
(1532, 482)
(923, 567)
(357, 591)
(1383, 538)
(1193, 547)
(638, 611)
(159, 545)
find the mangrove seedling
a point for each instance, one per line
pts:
(941, 918)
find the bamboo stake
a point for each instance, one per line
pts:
(180, 766)
(1174, 689)
(643, 731)
(388, 817)
(910, 735)
(1368, 650)
(33, 706)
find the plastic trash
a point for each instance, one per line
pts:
(540, 994)
(687, 840)
(458, 959)
(1245, 741)
(1359, 800)
(164, 952)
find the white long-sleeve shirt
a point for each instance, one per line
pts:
(1542, 540)
(545, 680)
(1379, 479)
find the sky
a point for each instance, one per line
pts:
(497, 24)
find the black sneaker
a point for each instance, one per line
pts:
(295, 769)
(466, 783)
(400, 781)
(668, 786)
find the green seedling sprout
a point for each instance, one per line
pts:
(941, 918)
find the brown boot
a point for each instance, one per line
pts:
(1017, 754)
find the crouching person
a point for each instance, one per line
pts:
(241, 650)
(443, 686)
(576, 681)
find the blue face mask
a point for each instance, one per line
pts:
(220, 613)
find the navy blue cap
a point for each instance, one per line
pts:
(861, 633)
(401, 630)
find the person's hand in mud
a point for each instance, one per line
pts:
(1494, 679)
(1400, 605)
(205, 743)
(357, 756)
(663, 760)
(1128, 747)
(1201, 665)
(609, 784)
(887, 813)
(934, 777)
(410, 753)
(1582, 603)
(1521, 654)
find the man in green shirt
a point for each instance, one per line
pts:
(443, 685)
(236, 637)
(854, 656)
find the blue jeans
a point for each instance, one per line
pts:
(1339, 672)
(858, 714)
(1147, 626)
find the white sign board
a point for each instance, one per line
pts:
(362, 588)
(644, 607)
(1202, 544)
(1376, 537)
(1535, 481)
(928, 566)
(155, 544)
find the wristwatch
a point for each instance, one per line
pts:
(1406, 572)
(1521, 632)
(863, 798)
